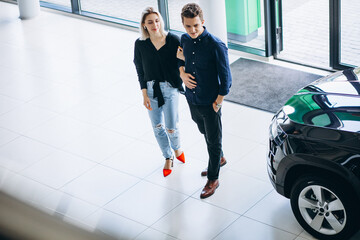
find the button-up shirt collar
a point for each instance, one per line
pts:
(202, 35)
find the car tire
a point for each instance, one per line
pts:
(324, 208)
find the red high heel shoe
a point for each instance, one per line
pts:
(167, 172)
(181, 158)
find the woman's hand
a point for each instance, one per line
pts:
(146, 100)
(180, 53)
(147, 103)
(187, 78)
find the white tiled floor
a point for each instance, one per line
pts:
(76, 142)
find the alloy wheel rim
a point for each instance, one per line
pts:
(322, 210)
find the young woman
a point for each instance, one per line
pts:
(158, 73)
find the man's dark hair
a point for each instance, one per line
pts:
(191, 10)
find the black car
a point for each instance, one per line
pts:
(314, 155)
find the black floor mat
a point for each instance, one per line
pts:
(265, 86)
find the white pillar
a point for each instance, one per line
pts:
(28, 8)
(215, 17)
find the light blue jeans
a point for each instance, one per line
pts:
(165, 120)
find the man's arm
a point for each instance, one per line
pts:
(223, 67)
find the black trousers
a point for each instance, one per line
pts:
(209, 124)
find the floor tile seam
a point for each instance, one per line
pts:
(63, 147)
(258, 201)
(100, 126)
(96, 128)
(3, 181)
(280, 229)
(35, 162)
(248, 150)
(166, 214)
(38, 160)
(31, 48)
(261, 141)
(123, 192)
(243, 138)
(169, 188)
(77, 198)
(115, 152)
(59, 149)
(153, 143)
(150, 228)
(198, 160)
(121, 215)
(73, 179)
(133, 140)
(247, 175)
(33, 180)
(80, 223)
(117, 214)
(60, 187)
(5, 94)
(63, 215)
(8, 45)
(51, 108)
(147, 228)
(11, 131)
(101, 95)
(36, 125)
(28, 50)
(38, 77)
(66, 114)
(232, 164)
(97, 64)
(113, 117)
(214, 205)
(12, 140)
(13, 108)
(140, 138)
(91, 203)
(38, 106)
(233, 222)
(131, 136)
(299, 236)
(43, 92)
(7, 68)
(227, 113)
(129, 174)
(7, 170)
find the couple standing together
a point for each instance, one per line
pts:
(200, 61)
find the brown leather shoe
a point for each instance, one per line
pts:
(209, 188)
(222, 163)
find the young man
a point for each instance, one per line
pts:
(205, 72)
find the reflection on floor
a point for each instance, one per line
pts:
(76, 142)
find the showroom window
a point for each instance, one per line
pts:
(317, 33)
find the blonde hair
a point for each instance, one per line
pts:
(144, 33)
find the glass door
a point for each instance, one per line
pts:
(117, 9)
(349, 33)
(244, 18)
(317, 33)
(305, 30)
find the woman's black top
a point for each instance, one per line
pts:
(159, 65)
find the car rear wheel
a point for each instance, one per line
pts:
(323, 208)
